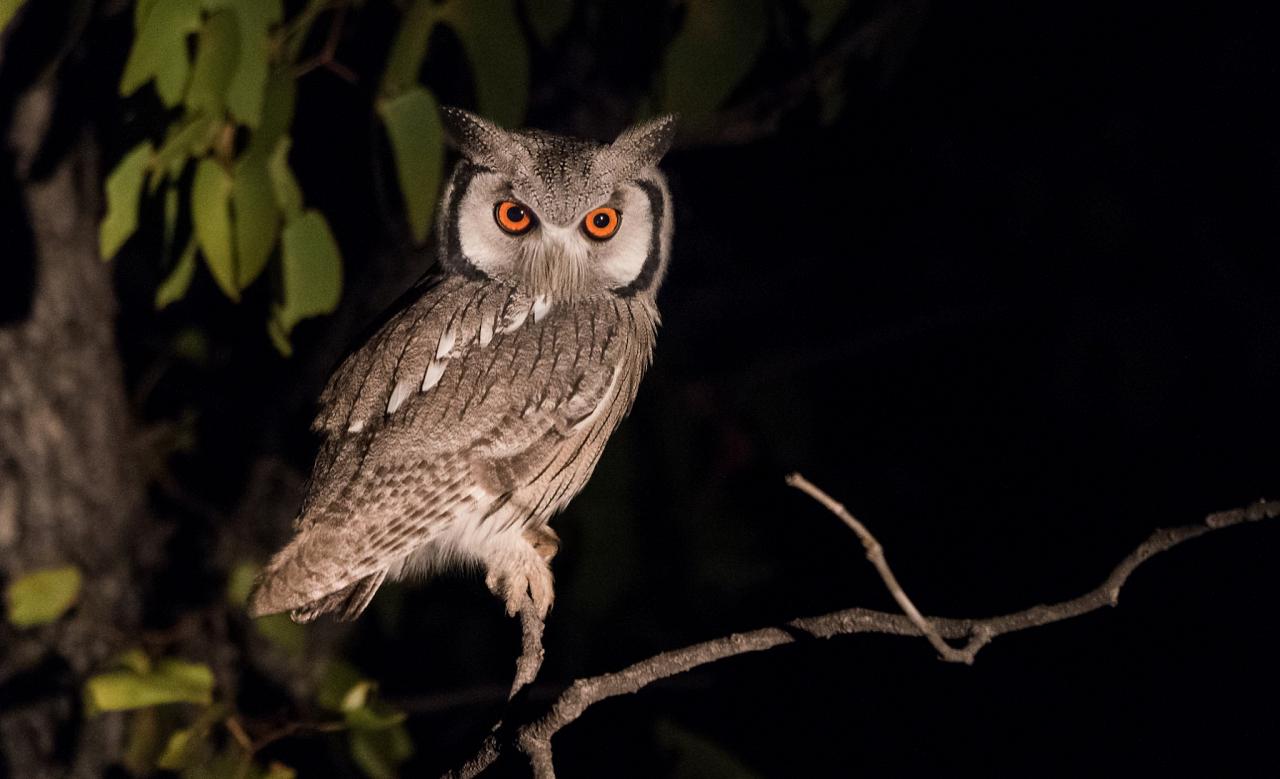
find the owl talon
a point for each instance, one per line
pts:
(531, 582)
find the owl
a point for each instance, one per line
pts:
(481, 407)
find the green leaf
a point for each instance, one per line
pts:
(312, 271)
(134, 660)
(176, 284)
(188, 747)
(497, 53)
(248, 83)
(141, 10)
(376, 716)
(171, 681)
(144, 742)
(240, 583)
(288, 194)
(183, 749)
(409, 47)
(7, 9)
(211, 216)
(186, 139)
(358, 696)
(548, 18)
(379, 753)
(417, 141)
(277, 113)
(716, 45)
(217, 55)
(173, 66)
(124, 186)
(42, 596)
(336, 680)
(257, 218)
(161, 45)
(823, 15)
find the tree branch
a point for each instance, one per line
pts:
(530, 660)
(534, 739)
(875, 553)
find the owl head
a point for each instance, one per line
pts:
(563, 218)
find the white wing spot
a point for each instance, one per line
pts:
(541, 305)
(486, 331)
(434, 371)
(515, 320)
(356, 426)
(446, 343)
(398, 396)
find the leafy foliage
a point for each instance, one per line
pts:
(376, 735)
(138, 683)
(233, 112)
(123, 187)
(233, 107)
(43, 596)
(227, 72)
(413, 124)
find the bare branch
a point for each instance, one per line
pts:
(534, 739)
(875, 553)
(530, 660)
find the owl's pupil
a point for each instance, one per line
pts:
(600, 220)
(515, 213)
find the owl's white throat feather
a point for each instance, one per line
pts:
(555, 266)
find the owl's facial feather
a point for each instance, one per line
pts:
(523, 207)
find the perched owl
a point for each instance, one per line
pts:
(480, 409)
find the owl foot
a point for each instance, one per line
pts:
(544, 541)
(521, 578)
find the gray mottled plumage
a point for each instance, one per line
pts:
(481, 408)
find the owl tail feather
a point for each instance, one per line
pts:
(345, 604)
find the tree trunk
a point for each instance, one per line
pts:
(70, 492)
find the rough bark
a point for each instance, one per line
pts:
(69, 490)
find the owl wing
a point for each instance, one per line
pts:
(457, 406)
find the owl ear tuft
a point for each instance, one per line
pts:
(478, 139)
(644, 144)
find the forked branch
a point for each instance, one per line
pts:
(534, 738)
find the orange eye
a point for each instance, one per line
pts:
(513, 217)
(602, 223)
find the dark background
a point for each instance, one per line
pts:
(1014, 307)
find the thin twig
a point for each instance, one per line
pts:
(291, 729)
(534, 739)
(238, 733)
(875, 553)
(326, 58)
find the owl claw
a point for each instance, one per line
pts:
(531, 581)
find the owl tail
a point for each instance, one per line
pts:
(272, 595)
(346, 604)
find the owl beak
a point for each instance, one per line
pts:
(558, 265)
